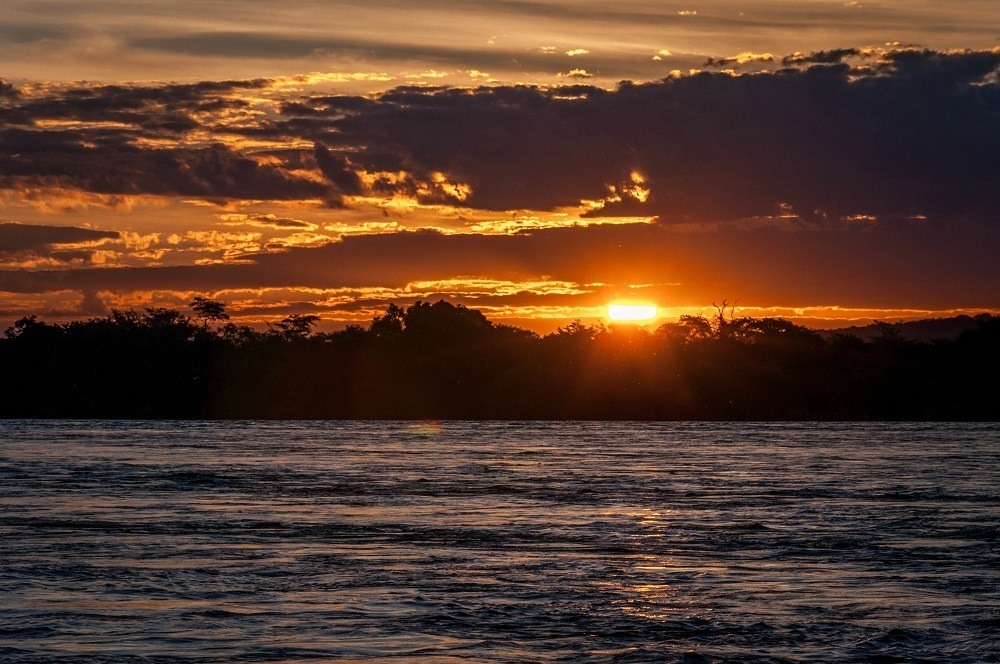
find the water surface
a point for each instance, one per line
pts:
(499, 541)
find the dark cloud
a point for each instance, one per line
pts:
(111, 164)
(908, 134)
(948, 69)
(108, 152)
(27, 243)
(266, 220)
(338, 170)
(24, 237)
(93, 305)
(145, 108)
(928, 269)
(831, 56)
(915, 135)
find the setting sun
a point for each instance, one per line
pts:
(631, 312)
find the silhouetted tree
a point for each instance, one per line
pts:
(161, 317)
(209, 311)
(887, 332)
(443, 322)
(577, 331)
(21, 326)
(390, 325)
(296, 326)
(686, 329)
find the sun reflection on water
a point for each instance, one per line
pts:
(654, 585)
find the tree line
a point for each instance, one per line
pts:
(443, 361)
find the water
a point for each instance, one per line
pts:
(499, 541)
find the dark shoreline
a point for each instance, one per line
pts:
(445, 362)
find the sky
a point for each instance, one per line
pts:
(829, 162)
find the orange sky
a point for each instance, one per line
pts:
(829, 162)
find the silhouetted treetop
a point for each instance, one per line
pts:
(209, 311)
(296, 326)
(443, 322)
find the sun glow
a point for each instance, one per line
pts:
(631, 312)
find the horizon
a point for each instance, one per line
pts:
(542, 327)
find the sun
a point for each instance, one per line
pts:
(623, 312)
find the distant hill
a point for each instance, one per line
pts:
(919, 330)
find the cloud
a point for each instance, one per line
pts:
(831, 56)
(16, 237)
(276, 46)
(813, 142)
(818, 144)
(155, 108)
(266, 221)
(114, 165)
(577, 73)
(739, 59)
(930, 269)
(70, 40)
(907, 139)
(430, 73)
(338, 169)
(93, 305)
(30, 245)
